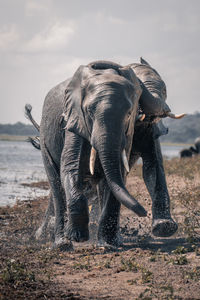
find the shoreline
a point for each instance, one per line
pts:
(23, 138)
(14, 138)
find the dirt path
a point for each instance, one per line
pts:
(144, 268)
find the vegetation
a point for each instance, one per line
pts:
(18, 129)
(13, 138)
(185, 130)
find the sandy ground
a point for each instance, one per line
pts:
(144, 268)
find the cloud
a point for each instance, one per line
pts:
(52, 38)
(47, 40)
(180, 23)
(116, 21)
(33, 8)
(9, 35)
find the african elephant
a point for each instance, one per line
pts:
(95, 126)
(187, 152)
(192, 150)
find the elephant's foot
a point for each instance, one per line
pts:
(77, 229)
(109, 234)
(103, 245)
(164, 227)
(108, 241)
(62, 243)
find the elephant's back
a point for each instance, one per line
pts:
(52, 122)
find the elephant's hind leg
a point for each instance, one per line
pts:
(77, 204)
(58, 200)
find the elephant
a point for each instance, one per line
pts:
(192, 150)
(95, 126)
(188, 152)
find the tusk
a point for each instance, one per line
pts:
(90, 208)
(93, 154)
(141, 117)
(125, 161)
(173, 116)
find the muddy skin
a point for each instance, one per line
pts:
(101, 110)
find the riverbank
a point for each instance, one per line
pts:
(23, 138)
(20, 162)
(144, 268)
(13, 138)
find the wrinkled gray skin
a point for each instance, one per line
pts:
(192, 150)
(101, 104)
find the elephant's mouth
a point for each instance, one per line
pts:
(93, 155)
(156, 118)
(115, 180)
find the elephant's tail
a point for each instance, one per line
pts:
(28, 115)
(35, 141)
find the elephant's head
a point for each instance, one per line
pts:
(100, 104)
(154, 94)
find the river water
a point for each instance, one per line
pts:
(21, 163)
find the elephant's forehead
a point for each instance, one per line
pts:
(107, 81)
(106, 71)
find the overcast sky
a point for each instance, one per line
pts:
(43, 42)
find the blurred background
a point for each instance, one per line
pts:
(43, 42)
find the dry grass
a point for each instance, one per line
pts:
(144, 268)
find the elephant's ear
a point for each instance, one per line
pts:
(74, 94)
(129, 74)
(159, 129)
(144, 62)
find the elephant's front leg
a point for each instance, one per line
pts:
(77, 205)
(109, 220)
(154, 176)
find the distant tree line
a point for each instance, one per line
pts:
(185, 130)
(18, 129)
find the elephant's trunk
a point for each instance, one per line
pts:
(110, 156)
(152, 104)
